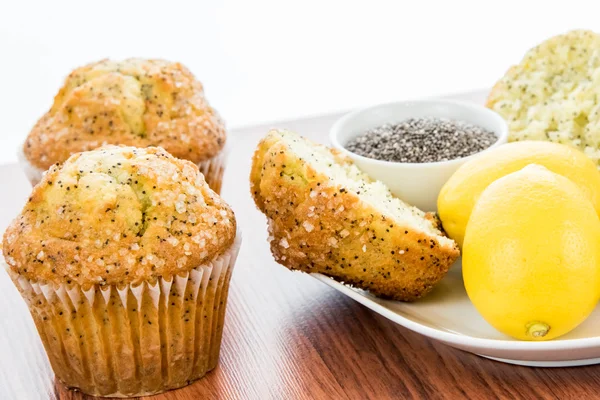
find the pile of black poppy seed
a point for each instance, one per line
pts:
(420, 140)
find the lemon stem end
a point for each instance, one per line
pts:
(537, 329)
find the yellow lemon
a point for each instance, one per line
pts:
(531, 255)
(459, 194)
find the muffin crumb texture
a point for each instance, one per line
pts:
(133, 102)
(552, 94)
(327, 216)
(118, 215)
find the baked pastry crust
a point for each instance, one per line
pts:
(118, 215)
(316, 225)
(552, 93)
(134, 102)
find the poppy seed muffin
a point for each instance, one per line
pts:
(135, 102)
(552, 94)
(124, 257)
(328, 217)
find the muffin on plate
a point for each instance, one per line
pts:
(552, 94)
(327, 216)
(135, 102)
(124, 256)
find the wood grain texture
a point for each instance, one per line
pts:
(288, 336)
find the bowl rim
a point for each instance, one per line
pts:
(336, 128)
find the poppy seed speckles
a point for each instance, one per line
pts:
(334, 220)
(142, 102)
(116, 215)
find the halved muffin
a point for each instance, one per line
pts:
(327, 216)
(552, 93)
(135, 102)
(124, 257)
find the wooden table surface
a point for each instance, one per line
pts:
(288, 336)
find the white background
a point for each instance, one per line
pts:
(264, 61)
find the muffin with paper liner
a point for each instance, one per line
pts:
(124, 256)
(134, 102)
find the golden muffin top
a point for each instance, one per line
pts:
(118, 215)
(134, 102)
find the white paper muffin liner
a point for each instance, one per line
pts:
(212, 169)
(33, 173)
(123, 341)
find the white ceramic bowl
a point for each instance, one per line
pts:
(416, 183)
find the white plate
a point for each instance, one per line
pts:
(447, 315)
